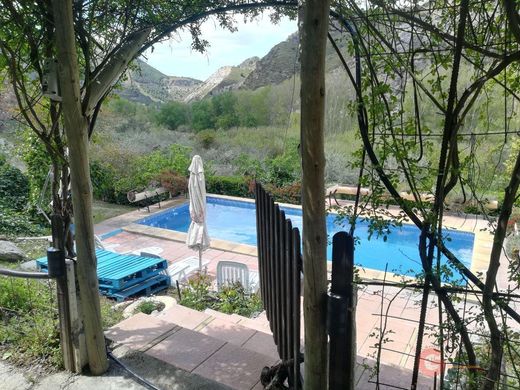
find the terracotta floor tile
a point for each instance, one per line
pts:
(262, 343)
(225, 330)
(235, 367)
(185, 349)
(138, 330)
(183, 316)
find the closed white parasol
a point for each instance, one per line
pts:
(198, 237)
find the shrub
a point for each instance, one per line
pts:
(102, 177)
(196, 294)
(110, 314)
(287, 194)
(38, 163)
(172, 115)
(28, 322)
(229, 185)
(14, 187)
(203, 116)
(231, 299)
(144, 172)
(206, 138)
(14, 223)
(285, 168)
(149, 306)
(174, 182)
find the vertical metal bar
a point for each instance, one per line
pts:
(283, 291)
(341, 320)
(276, 272)
(261, 248)
(258, 208)
(270, 251)
(288, 289)
(296, 298)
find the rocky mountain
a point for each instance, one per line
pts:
(224, 79)
(145, 84)
(276, 66)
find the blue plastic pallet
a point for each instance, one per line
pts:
(121, 271)
(147, 287)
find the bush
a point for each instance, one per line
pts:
(172, 115)
(287, 194)
(14, 223)
(38, 163)
(29, 330)
(203, 115)
(111, 314)
(285, 168)
(206, 138)
(231, 299)
(149, 306)
(14, 188)
(144, 172)
(102, 177)
(229, 185)
(174, 182)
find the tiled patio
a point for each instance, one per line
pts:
(400, 324)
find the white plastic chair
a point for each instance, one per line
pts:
(229, 272)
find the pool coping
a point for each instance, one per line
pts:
(482, 244)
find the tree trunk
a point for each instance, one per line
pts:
(496, 337)
(313, 45)
(76, 130)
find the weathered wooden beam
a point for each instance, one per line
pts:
(313, 46)
(76, 129)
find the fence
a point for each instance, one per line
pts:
(280, 267)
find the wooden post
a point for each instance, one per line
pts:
(342, 314)
(76, 130)
(313, 45)
(79, 349)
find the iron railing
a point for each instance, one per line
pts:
(280, 268)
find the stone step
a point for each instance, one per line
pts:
(231, 328)
(260, 323)
(221, 351)
(228, 317)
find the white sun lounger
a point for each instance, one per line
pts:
(180, 270)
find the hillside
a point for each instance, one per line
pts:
(145, 84)
(276, 66)
(224, 79)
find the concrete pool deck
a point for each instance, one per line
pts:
(401, 307)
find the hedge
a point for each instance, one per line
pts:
(229, 185)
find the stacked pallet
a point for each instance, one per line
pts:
(124, 276)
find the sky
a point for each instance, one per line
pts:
(254, 38)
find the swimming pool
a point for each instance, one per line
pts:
(235, 221)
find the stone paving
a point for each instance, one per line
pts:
(392, 313)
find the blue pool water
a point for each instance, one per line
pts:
(236, 221)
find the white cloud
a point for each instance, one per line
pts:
(253, 38)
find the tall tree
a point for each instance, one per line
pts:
(313, 47)
(95, 42)
(448, 55)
